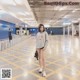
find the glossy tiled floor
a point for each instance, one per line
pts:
(62, 59)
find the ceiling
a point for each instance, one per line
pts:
(34, 12)
(54, 15)
(5, 16)
(17, 11)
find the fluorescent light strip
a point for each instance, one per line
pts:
(29, 19)
(62, 8)
(19, 1)
(2, 12)
(21, 13)
(27, 13)
(66, 16)
(75, 10)
(8, 2)
(13, 14)
(78, 19)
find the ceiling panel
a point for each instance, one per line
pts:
(19, 9)
(35, 12)
(47, 14)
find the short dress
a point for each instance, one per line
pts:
(41, 39)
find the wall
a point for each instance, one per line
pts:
(55, 31)
(32, 30)
(4, 27)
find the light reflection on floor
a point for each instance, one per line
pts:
(62, 59)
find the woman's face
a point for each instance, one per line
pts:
(42, 29)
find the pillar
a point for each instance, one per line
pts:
(79, 29)
(68, 30)
(64, 30)
(72, 29)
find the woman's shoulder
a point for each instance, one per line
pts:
(38, 33)
(41, 33)
(45, 32)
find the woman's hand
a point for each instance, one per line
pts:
(44, 48)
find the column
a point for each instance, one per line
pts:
(72, 29)
(21, 31)
(79, 29)
(68, 30)
(63, 30)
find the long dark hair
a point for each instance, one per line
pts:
(40, 27)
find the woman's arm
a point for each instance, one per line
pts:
(37, 36)
(46, 36)
(46, 39)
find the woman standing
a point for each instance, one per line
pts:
(41, 43)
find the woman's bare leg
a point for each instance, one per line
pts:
(43, 59)
(39, 56)
(43, 63)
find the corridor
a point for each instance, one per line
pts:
(62, 59)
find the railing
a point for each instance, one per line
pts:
(4, 44)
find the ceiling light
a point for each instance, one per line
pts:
(21, 13)
(64, 24)
(21, 19)
(8, 2)
(47, 25)
(12, 14)
(58, 21)
(78, 19)
(66, 16)
(19, 1)
(51, 21)
(2, 12)
(28, 19)
(75, 10)
(62, 8)
(56, 8)
(27, 13)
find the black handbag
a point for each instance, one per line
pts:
(36, 55)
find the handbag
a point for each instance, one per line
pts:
(36, 55)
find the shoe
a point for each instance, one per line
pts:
(40, 70)
(44, 74)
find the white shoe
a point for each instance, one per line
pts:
(44, 74)
(40, 70)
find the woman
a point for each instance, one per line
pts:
(10, 35)
(41, 43)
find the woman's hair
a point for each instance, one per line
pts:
(40, 25)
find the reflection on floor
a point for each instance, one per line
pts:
(62, 59)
